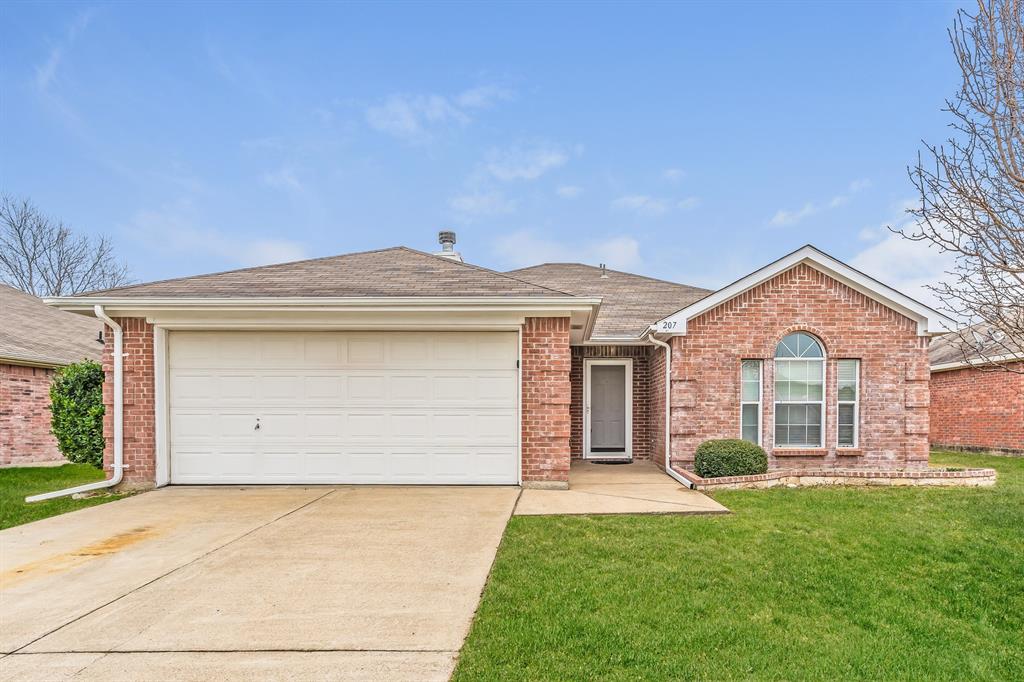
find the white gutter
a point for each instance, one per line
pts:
(668, 412)
(118, 472)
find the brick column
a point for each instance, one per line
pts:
(546, 400)
(139, 403)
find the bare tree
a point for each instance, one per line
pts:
(45, 258)
(972, 187)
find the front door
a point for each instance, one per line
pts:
(608, 397)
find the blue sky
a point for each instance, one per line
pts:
(694, 142)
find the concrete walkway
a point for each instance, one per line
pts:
(636, 488)
(250, 583)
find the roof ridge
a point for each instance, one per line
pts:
(233, 271)
(483, 269)
(620, 272)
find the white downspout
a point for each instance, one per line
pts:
(668, 412)
(118, 472)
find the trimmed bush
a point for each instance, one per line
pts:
(729, 457)
(76, 404)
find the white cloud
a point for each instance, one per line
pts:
(46, 73)
(284, 178)
(523, 163)
(688, 203)
(173, 229)
(641, 204)
(673, 174)
(483, 97)
(907, 266)
(782, 217)
(413, 117)
(525, 247)
(569, 191)
(785, 217)
(480, 204)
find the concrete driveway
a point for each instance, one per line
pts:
(254, 583)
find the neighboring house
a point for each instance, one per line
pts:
(35, 339)
(398, 366)
(974, 404)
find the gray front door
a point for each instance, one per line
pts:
(607, 409)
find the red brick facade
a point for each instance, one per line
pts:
(139, 405)
(25, 434)
(978, 410)
(641, 395)
(894, 371)
(546, 398)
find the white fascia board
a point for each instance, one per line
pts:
(352, 313)
(929, 321)
(977, 362)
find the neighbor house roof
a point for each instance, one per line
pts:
(980, 344)
(630, 303)
(33, 333)
(394, 272)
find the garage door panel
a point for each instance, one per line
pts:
(343, 407)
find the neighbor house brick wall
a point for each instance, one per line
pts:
(641, 412)
(894, 371)
(546, 360)
(139, 402)
(978, 409)
(25, 434)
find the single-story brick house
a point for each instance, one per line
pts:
(35, 339)
(977, 392)
(398, 366)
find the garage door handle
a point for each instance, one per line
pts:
(257, 428)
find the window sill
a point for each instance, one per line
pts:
(799, 452)
(849, 452)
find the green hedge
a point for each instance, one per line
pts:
(76, 404)
(729, 457)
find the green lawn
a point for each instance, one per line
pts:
(814, 583)
(18, 482)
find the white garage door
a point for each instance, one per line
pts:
(343, 407)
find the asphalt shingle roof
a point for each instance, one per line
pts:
(631, 303)
(31, 331)
(974, 344)
(397, 271)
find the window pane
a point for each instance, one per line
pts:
(847, 378)
(813, 434)
(846, 414)
(846, 436)
(813, 414)
(752, 370)
(798, 390)
(781, 435)
(782, 390)
(751, 392)
(751, 425)
(814, 391)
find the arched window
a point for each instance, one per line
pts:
(799, 392)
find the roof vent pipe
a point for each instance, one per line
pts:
(604, 271)
(446, 238)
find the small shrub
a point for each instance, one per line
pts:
(729, 457)
(76, 404)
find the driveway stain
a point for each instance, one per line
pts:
(77, 557)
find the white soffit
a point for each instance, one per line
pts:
(929, 321)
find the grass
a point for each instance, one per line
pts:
(17, 482)
(813, 583)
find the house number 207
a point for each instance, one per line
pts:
(666, 326)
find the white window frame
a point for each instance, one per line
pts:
(760, 398)
(823, 402)
(855, 402)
